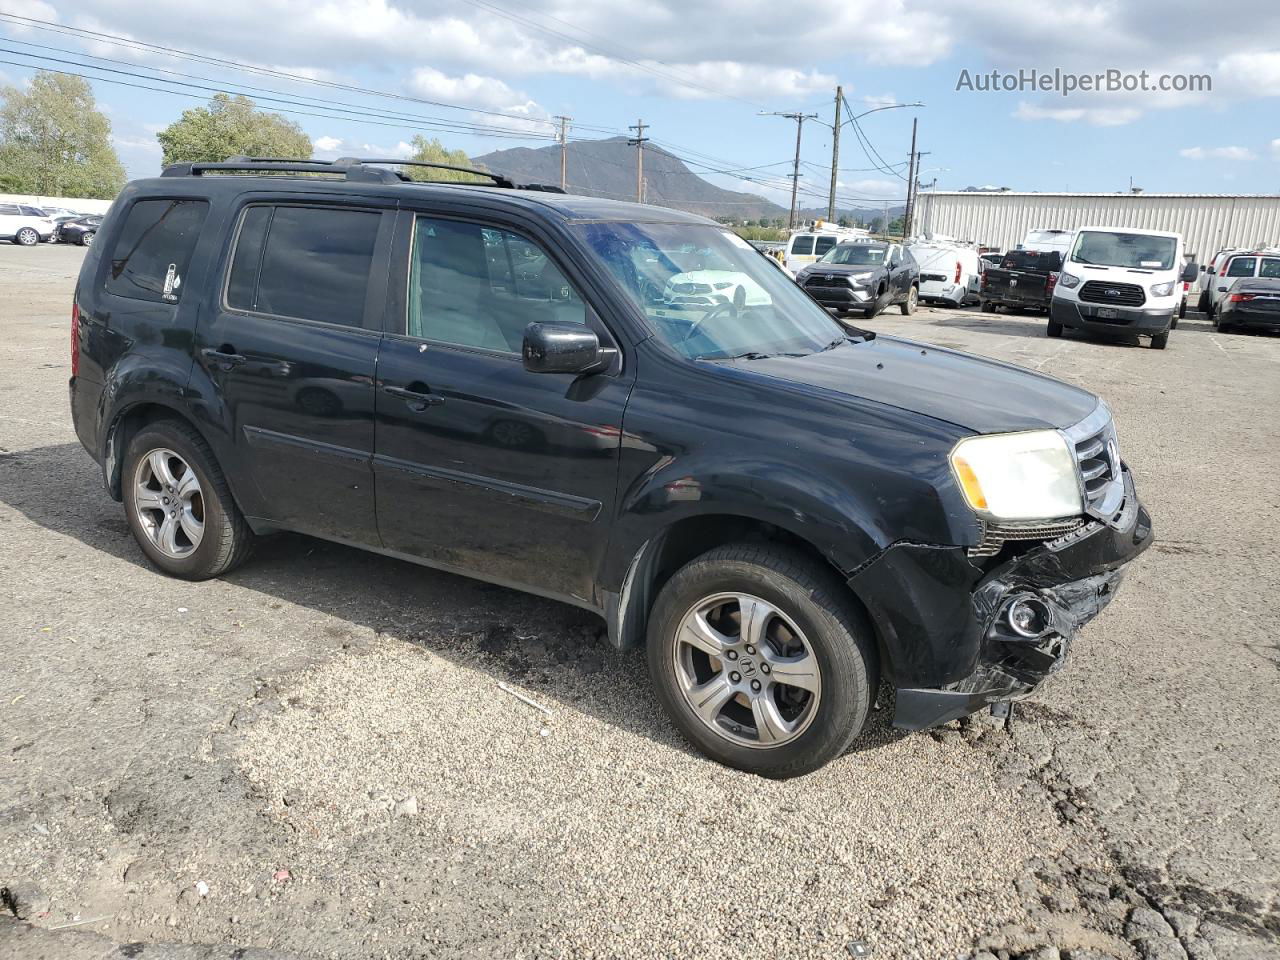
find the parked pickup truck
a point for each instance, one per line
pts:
(1024, 280)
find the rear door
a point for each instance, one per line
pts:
(482, 466)
(8, 220)
(287, 356)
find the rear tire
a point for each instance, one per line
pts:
(26, 237)
(1203, 303)
(908, 306)
(1160, 341)
(988, 307)
(206, 535)
(807, 625)
(1053, 328)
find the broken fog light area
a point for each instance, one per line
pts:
(1029, 617)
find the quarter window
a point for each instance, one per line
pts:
(1242, 267)
(476, 286)
(151, 255)
(311, 263)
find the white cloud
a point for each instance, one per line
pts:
(329, 148)
(872, 189)
(326, 144)
(1218, 153)
(1275, 148)
(1097, 116)
(149, 145)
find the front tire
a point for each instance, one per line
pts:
(762, 660)
(1053, 328)
(987, 307)
(1160, 341)
(179, 506)
(908, 306)
(873, 311)
(86, 239)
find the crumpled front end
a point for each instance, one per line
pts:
(1007, 628)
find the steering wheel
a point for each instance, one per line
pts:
(719, 310)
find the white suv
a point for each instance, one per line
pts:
(24, 224)
(1230, 266)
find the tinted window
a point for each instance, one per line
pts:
(8, 210)
(33, 212)
(823, 244)
(1242, 267)
(150, 258)
(856, 253)
(311, 263)
(1032, 260)
(802, 246)
(1270, 268)
(478, 287)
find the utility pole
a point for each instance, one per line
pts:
(564, 150)
(638, 142)
(799, 118)
(835, 156)
(911, 182)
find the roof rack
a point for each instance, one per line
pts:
(358, 169)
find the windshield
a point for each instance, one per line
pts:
(1137, 251)
(708, 293)
(856, 253)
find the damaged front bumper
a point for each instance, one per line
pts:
(1010, 628)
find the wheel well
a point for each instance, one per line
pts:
(683, 541)
(123, 431)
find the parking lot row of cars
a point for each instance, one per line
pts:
(1109, 281)
(28, 225)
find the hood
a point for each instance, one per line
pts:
(842, 268)
(981, 395)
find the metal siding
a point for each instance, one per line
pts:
(1207, 223)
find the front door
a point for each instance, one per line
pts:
(482, 466)
(290, 352)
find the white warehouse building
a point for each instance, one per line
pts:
(1208, 222)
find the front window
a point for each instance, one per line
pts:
(708, 293)
(1135, 251)
(856, 254)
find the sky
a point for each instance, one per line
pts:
(704, 76)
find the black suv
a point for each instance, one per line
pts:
(864, 275)
(490, 380)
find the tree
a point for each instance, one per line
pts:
(55, 142)
(229, 127)
(877, 224)
(433, 151)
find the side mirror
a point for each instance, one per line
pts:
(558, 347)
(1189, 273)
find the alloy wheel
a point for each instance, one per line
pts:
(169, 503)
(28, 237)
(746, 670)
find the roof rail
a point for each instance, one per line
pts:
(361, 169)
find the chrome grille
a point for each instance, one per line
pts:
(1098, 456)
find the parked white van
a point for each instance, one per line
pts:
(810, 246)
(1121, 282)
(949, 273)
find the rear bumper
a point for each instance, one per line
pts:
(941, 290)
(948, 641)
(1126, 320)
(1262, 320)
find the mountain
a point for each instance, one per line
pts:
(607, 168)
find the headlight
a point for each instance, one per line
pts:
(1068, 280)
(1018, 476)
(860, 277)
(1162, 289)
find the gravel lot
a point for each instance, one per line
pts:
(313, 757)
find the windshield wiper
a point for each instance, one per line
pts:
(749, 355)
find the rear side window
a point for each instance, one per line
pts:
(309, 263)
(1270, 268)
(1242, 267)
(33, 212)
(8, 210)
(823, 244)
(152, 252)
(802, 246)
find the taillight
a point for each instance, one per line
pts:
(1241, 297)
(983, 284)
(1223, 271)
(1051, 283)
(957, 279)
(75, 338)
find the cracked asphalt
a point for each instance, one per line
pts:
(313, 758)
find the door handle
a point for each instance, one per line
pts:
(416, 399)
(226, 359)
